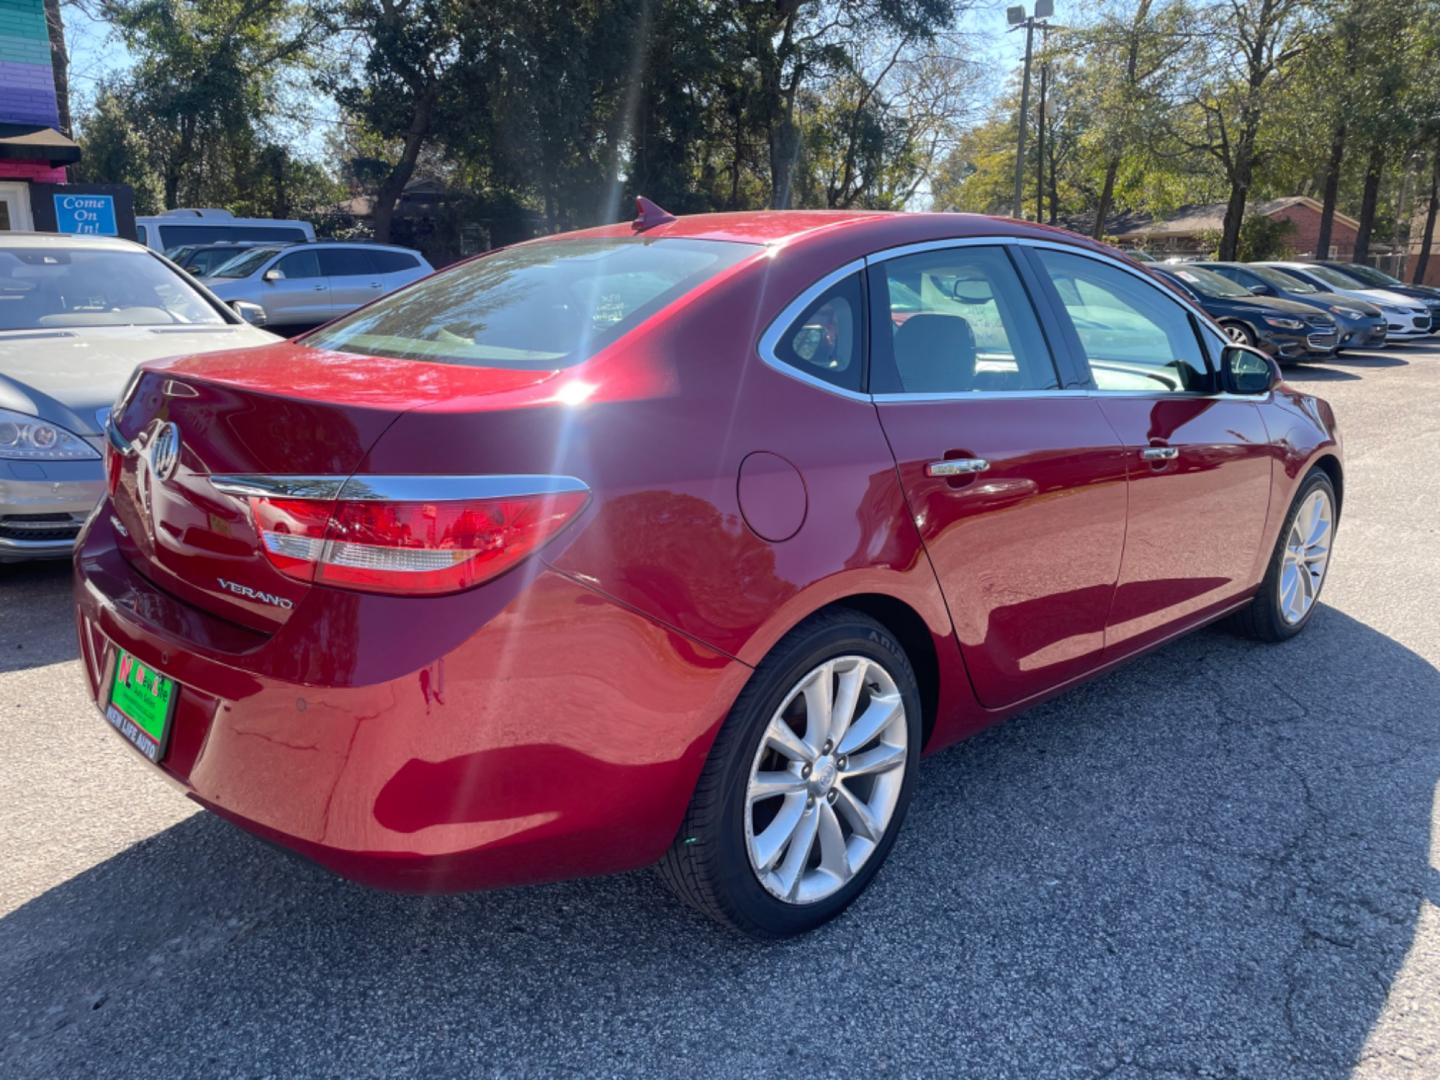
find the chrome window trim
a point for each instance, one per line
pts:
(1084, 392)
(1033, 242)
(792, 311)
(770, 338)
(395, 488)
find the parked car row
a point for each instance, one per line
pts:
(1294, 310)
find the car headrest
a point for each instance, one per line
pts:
(935, 353)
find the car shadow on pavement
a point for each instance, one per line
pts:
(1369, 360)
(1311, 371)
(1208, 863)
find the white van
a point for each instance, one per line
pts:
(168, 231)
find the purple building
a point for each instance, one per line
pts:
(33, 152)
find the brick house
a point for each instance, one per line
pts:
(34, 193)
(1191, 229)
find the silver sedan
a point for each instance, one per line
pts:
(77, 314)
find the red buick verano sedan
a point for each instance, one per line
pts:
(680, 542)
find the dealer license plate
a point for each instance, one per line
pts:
(141, 704)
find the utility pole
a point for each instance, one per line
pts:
(1017, 18)
(1040, 124)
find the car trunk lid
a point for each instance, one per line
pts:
(285, 412)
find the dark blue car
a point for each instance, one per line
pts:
(1286, 330)
(1360, 325)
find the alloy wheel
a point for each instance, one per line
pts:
(825, 780)
(1307, 554)
(1236, 333)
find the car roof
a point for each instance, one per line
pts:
(749, 226)
(68, 241)
(857, 230)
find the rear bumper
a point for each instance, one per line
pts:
(525, 731)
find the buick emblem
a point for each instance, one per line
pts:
(165, 452)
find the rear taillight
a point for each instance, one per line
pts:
(411, 546)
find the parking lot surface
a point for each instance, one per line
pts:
(1222, 860)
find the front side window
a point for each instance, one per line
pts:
(54, 286)
(826, 340)
(959, 321)
(301, 264)
(538, 306)
(1134, 337)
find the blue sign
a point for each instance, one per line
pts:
(92, 214)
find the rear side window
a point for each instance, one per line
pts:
(825, 341)
(540, 306)
(392, 262)
(1134, 336)
(960, 322)
(345, 262)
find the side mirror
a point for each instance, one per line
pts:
(253, 314)
(1261, 290)
(273, 274)
(1244, 370)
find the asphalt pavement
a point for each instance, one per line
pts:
(1222, 860)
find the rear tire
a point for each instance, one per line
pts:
(1290, 593)
(729, 860)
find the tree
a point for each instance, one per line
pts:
(1130, 58)
(1247, 49)
(791, 43)
(113, 150)
(205, 71)
(407, 87)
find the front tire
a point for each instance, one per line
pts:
(1239, 333)
(1290, 592)
(807, 784)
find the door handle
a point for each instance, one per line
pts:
(375, 285)
(319, 288)
(1159, 453)
(957, 467)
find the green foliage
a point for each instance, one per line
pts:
(1263, 238)
(548, 116)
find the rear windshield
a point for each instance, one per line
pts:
(53, 286)
(539, 306)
